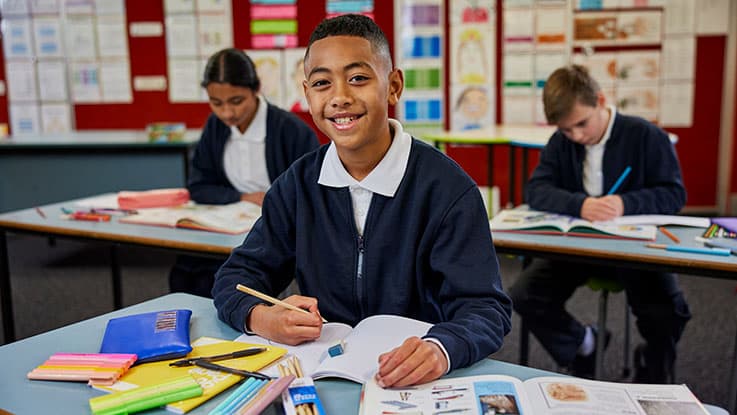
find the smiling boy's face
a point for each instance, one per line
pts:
(349, 88)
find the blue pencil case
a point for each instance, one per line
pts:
(159, 335)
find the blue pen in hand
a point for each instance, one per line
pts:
(620, 180)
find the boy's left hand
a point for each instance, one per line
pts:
(416, 361)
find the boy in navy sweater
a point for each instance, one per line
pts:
(594, 144)
(376, 222)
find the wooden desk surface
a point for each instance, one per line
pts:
(29, 220)
(620, 252)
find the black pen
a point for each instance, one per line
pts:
(239, 353)
(245, 373)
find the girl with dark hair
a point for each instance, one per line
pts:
(245, 145)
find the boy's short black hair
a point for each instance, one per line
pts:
(352, 25)
(231, 66)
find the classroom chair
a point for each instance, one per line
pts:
(604, 286)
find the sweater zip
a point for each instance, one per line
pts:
(359, 275)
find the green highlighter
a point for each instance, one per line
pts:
(140, 399)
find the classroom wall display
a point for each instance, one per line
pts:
(419, 50)
(273, 24)
(194, 31)
(535, 42)
(472, 64)
(61, 52)
(294, 66)
(337, 7)
(272, 73)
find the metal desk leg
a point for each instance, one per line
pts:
(115, 268)
(512, 173)
(5, 291)
(732, 391)
(524, 172)
(490, 176)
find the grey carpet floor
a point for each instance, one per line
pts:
(59, 284)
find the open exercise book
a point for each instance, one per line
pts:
(531, 221)
(234, 218)
(500, 394)
(362, 346)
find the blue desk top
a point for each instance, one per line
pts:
(162, 237)
(633, 252)
(22, 396)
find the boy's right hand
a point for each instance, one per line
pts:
(602, 208)
(287, 326)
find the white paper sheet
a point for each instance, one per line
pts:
(112, 38)
(679, 56)
(47, 37)
(85, 82)
(23, 119)
(215, 32)
(115, 81)
(21, 79)
(181, 36)
(55, 118)
(184, 75)
(80, 37)
(676, 104)
(52, 80)
(712, 17)
(17, 38)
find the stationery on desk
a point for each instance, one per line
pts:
(95, 368)
(146, 397)
(151, 336)
(213, 381)
(152, 198)
(669, 234)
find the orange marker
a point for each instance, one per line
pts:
(670, 235)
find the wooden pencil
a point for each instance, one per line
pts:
(272, 300)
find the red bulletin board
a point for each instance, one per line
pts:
(698, 145)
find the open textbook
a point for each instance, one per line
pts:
(500, 394)
(531, 221)
(233, 219)
(362, 346)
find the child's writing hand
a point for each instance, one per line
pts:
(287, 326)
(255, 197)
(416, 361)
(602, 208)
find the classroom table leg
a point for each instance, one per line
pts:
(5, 292)
(490, 177)
(512, 173)
(524, 343)
(115, 269)
(524, 172)
(732, 391)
